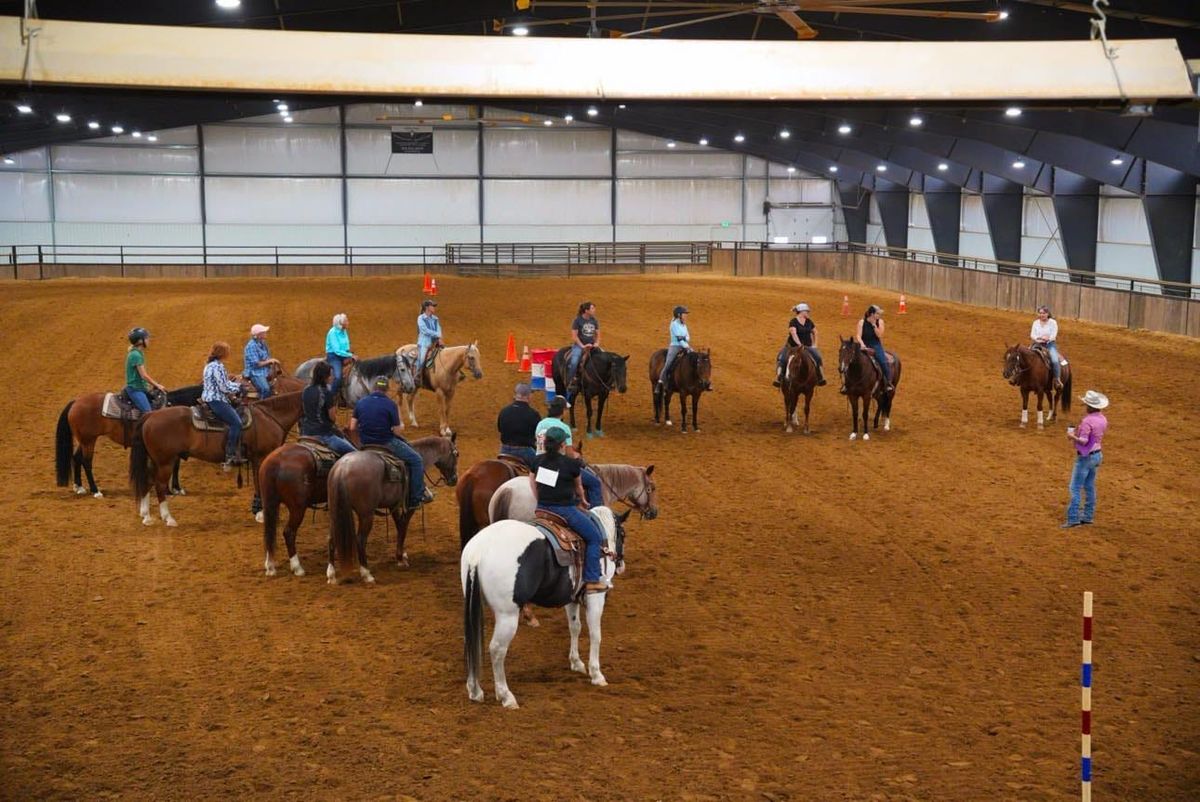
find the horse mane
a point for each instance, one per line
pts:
(377, 366)
(281, 400)
(617, 476)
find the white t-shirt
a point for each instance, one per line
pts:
(1047, 330)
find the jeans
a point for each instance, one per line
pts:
(1083, 477)
(672, 354)
(591, 488)
(1052, 348)
(526, 453)
(881, 357)
(587, 529)
(261, 384)
(573, 362)
(816, 355)
(139, 398)
(335, 362)
(416, 469)
(228, 415)
(339, 444)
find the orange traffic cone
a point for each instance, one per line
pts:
(845, 306)
(425, 288)
(526, 362)
(510, 353)
(432, 286)
(903, 304)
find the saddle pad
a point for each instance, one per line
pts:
(113, 408)
(203, 420)
(397, 471)
(517, 464)
(323, 455)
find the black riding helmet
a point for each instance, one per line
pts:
(137, 335)
(679, 310)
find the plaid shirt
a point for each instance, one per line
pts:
(256, 351)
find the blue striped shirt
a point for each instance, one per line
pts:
(256, 351)
(217, 384)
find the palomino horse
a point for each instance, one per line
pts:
(289, 476)
(799, 379)
(690, 375)
(81, 422)
(864, 382)
(511, 564)
(358, 378)
(161, 437)
(442, 379)
(1026, 370)
(358, 486)
(600, 374)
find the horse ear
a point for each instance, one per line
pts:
(625, 358)
(623, 517)
(453, 436)
(649, 470)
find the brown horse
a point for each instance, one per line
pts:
(358, 486)
(690, 375)
(799, 379)
(474, 493)
(864, 381)
(162, 437)
(1029, 372)
(288, 476)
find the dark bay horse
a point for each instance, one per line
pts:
(359, 375)
(690, 375)
(864, 381)
(600, 374)
(288, 476)
(1026, 370)
(164, 436)
(799, 379)
(358, 486)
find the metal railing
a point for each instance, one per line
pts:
(221, 255)
(579, 253)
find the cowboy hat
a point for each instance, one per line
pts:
(1094, 399)
(258, 329)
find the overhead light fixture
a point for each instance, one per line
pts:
(116, 129)
(1012, 111)
(620, 105)
(287, 119)
(137, 134)
(881, 168)
(547, 123)
(1018, 165)
(833, 168)
(570, 118)
(785, 134)
(520, 30)
(739, 138)
(1003, 15)
(418, 103)
(670, 143)
(916, 121)
(25, 108)
(593, 111)
(704, 141)
(844, 129)
(943, 167)
(152, 138)
(1116, 162)
(63, 118)
(93, 125)
(281, 107)
(791, 169)
(9, 160)
(228, 4)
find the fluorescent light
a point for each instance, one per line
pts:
(881, 168)
(570, 118)
(137, 134)
(779, 240)
(916, 121)
(785, 134)
(520, 30)
(25, 108)
(943, 166)
(1018, 165)
(833, 168)
(819, 239)
(418, 103)
(791, 169)
(704, 141)
(844, 129)
(1116, 162)
(116, 129)
(229, 3)
(593, 111)
(620, 105)
(1003, 15)
(739, 138)
(281, 107)
(670, 144)
(9, 160)
(93, 125)
(547, 123)
(1012, 111)
(287, 119)
(63, 118)
(152, 138)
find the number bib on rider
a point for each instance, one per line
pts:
(547, 477)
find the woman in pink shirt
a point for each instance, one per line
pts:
(1087, 439)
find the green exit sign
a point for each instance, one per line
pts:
(724, 224)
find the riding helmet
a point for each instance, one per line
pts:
(679, 310)
(801, 308)
(138, 335)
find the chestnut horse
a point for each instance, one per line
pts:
(690, 375)
(863, 382)
(289, 476)
(799, 379)
(162, 437)
(474, 493)
(1026, 370)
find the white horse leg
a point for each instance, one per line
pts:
(80, 490)
(144, 510)
(330, 575)
(853, 436)
(595, 610)
(269, 566)
(866, 436)
(297, 569)
(410, 406)
(502, 635)
(258, 517)
(164, 512)
(1041, 419)
(573, 623)
(1024, 417)
(365, 574)
(887, 424)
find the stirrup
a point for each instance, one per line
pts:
(596, 587)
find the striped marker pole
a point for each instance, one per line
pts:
(1085, 683)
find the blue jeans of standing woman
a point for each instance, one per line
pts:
(335, 362)
(583, 524)
(139, 398)
(1083, 477)
(228, 415)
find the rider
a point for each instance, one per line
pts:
(316, 421)
(376, 418)
(585, 335)
(257, 360)
(137, 380)
(517, 424)
(680, 341)
(554, 422)
(429, 332)
(801, 331)
(337, 349)
(1044, 332)
(555, 482)
(219, 393)
(869, 334)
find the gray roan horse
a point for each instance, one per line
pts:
(358, 486)
(359, 375)
(511, 564)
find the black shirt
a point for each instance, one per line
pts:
(587, 328)
(517, 423)
(870, 336)
(803, 331)
(563, 492)
(315, 422)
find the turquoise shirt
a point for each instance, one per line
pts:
(679, 334)
(545, 425)
(337, 341)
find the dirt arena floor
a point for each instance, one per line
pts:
(809, 618)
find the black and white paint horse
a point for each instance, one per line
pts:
(358, 379)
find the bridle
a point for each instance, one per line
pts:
(443, 481)
(1019, 368)
(608, 388)
(639, 501)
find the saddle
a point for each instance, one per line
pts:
(395, 469)
(1044, 353)
(568, 547)
(322, 455)
(204, 420)
(431, 356)
(118, 406)
(891, 358)
(515, 464)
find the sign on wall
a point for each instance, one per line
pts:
(412, 141)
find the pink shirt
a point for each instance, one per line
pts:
(1093, 426)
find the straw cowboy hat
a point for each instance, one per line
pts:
(1094, 399)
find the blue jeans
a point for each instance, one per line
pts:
(416, 469)
(591, 488)
(1052, 347)
(573, 362)
(881, 357)
(339, 444)
(335, 362)
(816, 355)
(261, 384)
(673, 352)
(228, 415)
(583, 524)
(139, 398)
(1083, 477)
(526, 453)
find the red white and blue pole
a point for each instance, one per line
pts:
(1085, 683)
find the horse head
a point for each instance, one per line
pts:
(447, 461)
(474, 361)
(848, 354)
(702, 361)
(406, 367)
(1012, 364)
(616, 543)
(646, 501)
(618, 367)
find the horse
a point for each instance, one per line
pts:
(601, 373)
(1026, 370)
(81, 422)
(162, 437)
(799, 379)
(358, 486)
(288, 476)
(864, 381)
(473, 493)
(690, 375)
(511, 564)
(628, 484)
(442, 379)
(358, 378)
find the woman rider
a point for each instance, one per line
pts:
(218, 389)
(680, 341)
(137, 380)
(337, 349)
(1044, 332)
(801, 332)
(585, 335)
(315, 421)
(429, 334)
(869, 335)
(556, 484)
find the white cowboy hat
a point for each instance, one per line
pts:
(258, 329)
(801, 308)
(1094, 399)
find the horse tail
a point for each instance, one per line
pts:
(268, 483)
(472, 619)
(341, 527)
(139, 462)
(1066, 393)
(63, 440)
(467, 525)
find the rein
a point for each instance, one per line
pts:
(628, 499)
(608, 388)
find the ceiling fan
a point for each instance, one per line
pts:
(601, 11)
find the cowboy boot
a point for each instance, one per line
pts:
(821, 377)
(778, 377)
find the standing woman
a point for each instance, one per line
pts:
(137, 380)
(680, 341)
(218, 390)
(1088, 456)
(801, 332)
(337, 349)
(429, 333)
(869, 335)
(1044, 332)
(556, 484)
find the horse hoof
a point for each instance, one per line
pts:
(578, 666)
(887, 426)
(270, 569)
(788, 429)
(258, 517)
(590, 435)
(668, 423)
(403, 561)
(79, 490)
(599, 680)
(97, 494)
(298, 571)
(853, 435)
(475, 694)
(509, 702)
(599, 432)
(171, 522)
(147, 520)
(1023, 424)
(330, 575)
(179, 491)
(866, 436)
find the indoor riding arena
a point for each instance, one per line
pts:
(906, 612)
